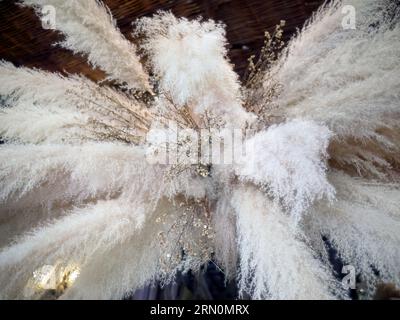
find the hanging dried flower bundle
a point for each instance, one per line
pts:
(107, 188)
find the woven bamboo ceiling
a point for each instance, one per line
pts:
(24, 42)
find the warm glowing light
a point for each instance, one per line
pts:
(44, 278)
(71, 277)
(52, 278)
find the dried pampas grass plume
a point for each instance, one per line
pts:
(191, 64)
(89, 29)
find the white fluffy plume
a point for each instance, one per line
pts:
(274, 262)
(76, 237)
(363, 225)
(48, 107)
(109, 200)
(349, 80)
(190, 60)
(290, 164)
(42, 181)
(90, 29)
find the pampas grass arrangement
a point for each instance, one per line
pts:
(85, 213)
